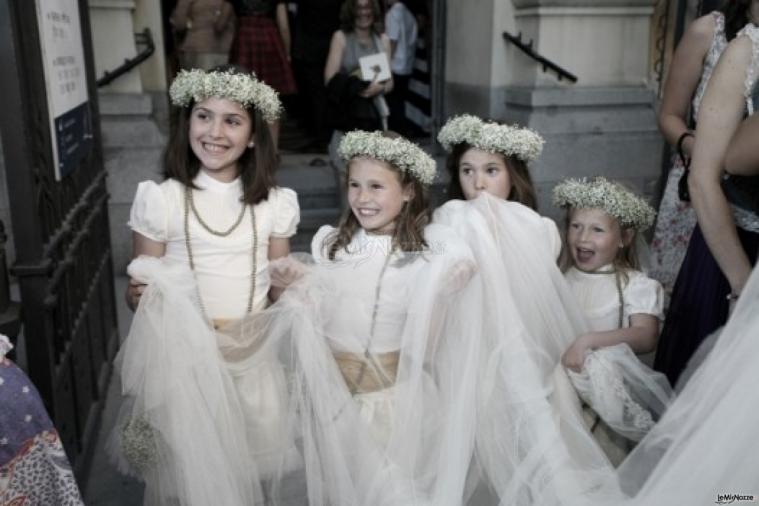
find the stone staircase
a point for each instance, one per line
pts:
(133, 146)
(317, 194)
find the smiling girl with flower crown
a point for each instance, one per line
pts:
(203, 418)
(621, 304)
(383, 330)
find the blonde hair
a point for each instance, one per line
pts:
(625, 260)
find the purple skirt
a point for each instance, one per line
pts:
(33, 465)
(699, 304)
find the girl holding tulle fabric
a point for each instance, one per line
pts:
(383, 328)
(205, 394)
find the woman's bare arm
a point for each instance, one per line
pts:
(682, 81)
(721, 111)
(742, 157)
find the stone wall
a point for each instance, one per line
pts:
(605, 123)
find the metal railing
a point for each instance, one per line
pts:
(145, 38)
(545, 62)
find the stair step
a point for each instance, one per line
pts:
(125, 104)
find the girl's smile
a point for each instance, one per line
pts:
(375, 195)
(220, 131)
(594, 238)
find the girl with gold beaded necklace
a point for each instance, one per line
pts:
(382, 328)
(217, 219)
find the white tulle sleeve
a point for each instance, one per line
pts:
(149, 215)
(422, 455)
(286, 212)
(533, 446)
(644, 295)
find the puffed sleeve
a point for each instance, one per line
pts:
(149, 215)
(644, 295)
(552, 236)
(317, 243)
(286, 213)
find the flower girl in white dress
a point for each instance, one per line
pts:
(383, 328)
(621, 304)
(533, 445)
(203, 420)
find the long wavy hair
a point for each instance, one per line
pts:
(257, 165)
(522, 187)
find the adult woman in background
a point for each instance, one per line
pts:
(724, 245)
(352, 103)
(692, 65)
(262, 45)
(208, 27)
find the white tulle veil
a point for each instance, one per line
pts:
(706, 445)
(180, 428)
(532, 443)
(424, 456)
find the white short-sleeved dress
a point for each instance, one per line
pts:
(597, 296)
(357, 269)
(223, 272)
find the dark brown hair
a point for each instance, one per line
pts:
(522, 188)
(256, 165)
(348, 16)
(408, 235)
(736, 16)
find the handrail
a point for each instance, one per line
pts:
(140, 38)
(545, 62)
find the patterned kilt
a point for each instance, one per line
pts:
(258, 47)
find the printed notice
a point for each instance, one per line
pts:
(65, 81)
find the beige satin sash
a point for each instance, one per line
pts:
(369, 372)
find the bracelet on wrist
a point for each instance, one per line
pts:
(679, 144)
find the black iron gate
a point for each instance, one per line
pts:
(63, 259)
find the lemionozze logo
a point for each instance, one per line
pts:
(732, 498)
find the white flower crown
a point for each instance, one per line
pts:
(599, 193)
(398, 152)
(245, 89)
(522, 143)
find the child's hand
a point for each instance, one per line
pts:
(134, 292)
(285, 271)
(574, 356)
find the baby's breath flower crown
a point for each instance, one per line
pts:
(522, 143)
(599, 193)
(398, 152)
(245, 89)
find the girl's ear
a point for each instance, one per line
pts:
(408, 193)
(628, 234)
